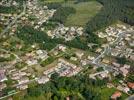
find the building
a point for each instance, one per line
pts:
(31, 62)
(2, 75)
(116, 95)
(79, 54)
(62, 48)
(43, 80)
(130, 85)
(124, 71)
(106, 61)
(23, 80)
(42, 54)
(132, 57)
(2, 86)
(23, 87)
(116, 64)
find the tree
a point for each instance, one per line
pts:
(55, 76)
(34, 91)
(62, 13)
(112, 11)
(121, 60)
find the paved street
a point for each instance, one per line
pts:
(14, 21)
(1, 98)
(107, 48)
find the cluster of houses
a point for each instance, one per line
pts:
(8, 3)
(33, 57)
(100, 75)
(111, 32)
(40, 14)
(63, 68)
(21, 77)
(55, 51)
(5, 19)
(122, 49)
(68, 33)
(123, 69)
(122, 87)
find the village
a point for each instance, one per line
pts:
(38, 65)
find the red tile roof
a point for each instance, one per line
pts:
(116, 95)
(130, 85)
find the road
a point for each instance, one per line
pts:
(14, 21)
(1, 98)
(130, 97)
(107, 49)
(30, 81)
(92, 75)
(17, 57)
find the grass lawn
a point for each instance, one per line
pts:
(107, 92)
(84, 12)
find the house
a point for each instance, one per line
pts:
(68, 98)
(2, 86)
(73, 58)
(79, 54)
(49, 72)
(110, 85)
(2, 75)
(106, 61)
(62, 48)
(23, 80)
(98, 50)
(130, 85)
(76, 71)
(31, 62)
(114, 52)
(132, 57)
(23, 87)
(124, 71)
(116, 95)
(42, 54)
(116, 64)
(43, 80)
(49, 33)
(126, 66)
(120, 87)
(126, 89)
(91, 57)
(103, 75)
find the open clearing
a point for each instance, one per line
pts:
(84, 12)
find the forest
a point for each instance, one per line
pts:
(77, 88)
(29, 35)
(112, 11)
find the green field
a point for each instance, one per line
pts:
(84, 12)
(107, 92)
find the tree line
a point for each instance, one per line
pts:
(76, 87)
(112, 11)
